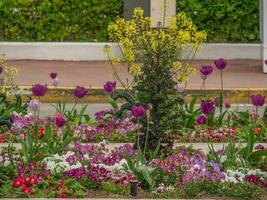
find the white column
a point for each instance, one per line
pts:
(264, 32)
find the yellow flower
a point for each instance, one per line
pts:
(135, 69)
(137, 39)
(107, 50)
(116, 60)
(177, 65)
(9, 73)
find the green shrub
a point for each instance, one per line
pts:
(224, 20)
(57, 20)
(110, 187)
(87, 20)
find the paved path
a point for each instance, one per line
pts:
(92, 108)
(238, 74)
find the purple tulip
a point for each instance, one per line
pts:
(220, 63)
(207, 106)
(206, 70)
(265, 62)
(55, 82)
(53, 75)
(39, 90)
(201, 120)
(34, 105)
(80, 92)
(138, 111)
(258, 100)
(60, 120)
(110, 86)
(180, 87)
(227, 105)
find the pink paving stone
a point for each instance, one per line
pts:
(238, 73)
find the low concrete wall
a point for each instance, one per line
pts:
(89, 51)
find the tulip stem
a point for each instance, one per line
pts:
(221, 82)
(146, 140)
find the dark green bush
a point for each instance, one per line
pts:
(57, 20)
(224, 20)
(87, 20)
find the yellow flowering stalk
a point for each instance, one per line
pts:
(158, 59)
(7, 76)
(137, 37)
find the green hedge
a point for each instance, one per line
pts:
(87, 20)
(224, 20)
(57, 20)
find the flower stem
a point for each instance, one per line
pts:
(221, 82)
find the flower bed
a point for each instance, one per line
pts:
(57, 157)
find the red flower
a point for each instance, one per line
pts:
(63, 195)
(257, 130)
(2, 137)
(17, 182)
(254, 179)
(41, 132)
(27, 190)
(27, 180)
(34, 180)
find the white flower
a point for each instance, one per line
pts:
(223, 159)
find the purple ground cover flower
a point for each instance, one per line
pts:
(207, 106)
(71, 159)
(1, 69)
(107, 126)
(194, 167)
(110, 86)
(80, 92)
(258, 100)
(39, 90)
(220, 63)
(206, 70)
(259, 147)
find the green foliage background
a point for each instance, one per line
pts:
(57, 20)
(224, 20)
(87, 20)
